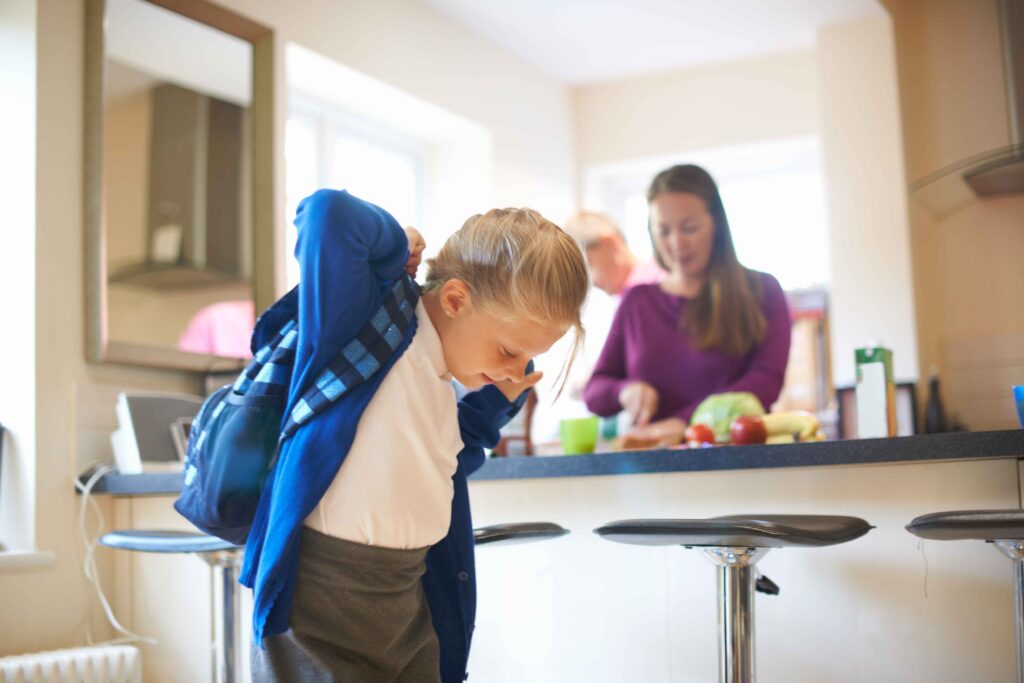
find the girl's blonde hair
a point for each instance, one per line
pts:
(517, 264)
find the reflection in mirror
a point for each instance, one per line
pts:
(176, 282)
(174, 144)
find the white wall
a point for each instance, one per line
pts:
(17, 270)
(872, 293)
(679, 111)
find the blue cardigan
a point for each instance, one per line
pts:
(348, 252)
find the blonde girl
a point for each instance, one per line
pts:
(364, 570)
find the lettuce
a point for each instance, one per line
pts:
(719, 410)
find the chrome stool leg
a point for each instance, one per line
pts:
(1015, 551)
(734, 544)
(736, 589)
(225, 565)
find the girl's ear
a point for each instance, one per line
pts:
(455, 297)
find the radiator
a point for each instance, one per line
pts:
(100, 664)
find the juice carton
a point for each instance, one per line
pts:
(876, 393)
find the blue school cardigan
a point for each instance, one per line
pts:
(348, 252)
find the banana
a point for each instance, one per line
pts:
(801, 423)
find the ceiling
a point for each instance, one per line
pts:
(588, 41)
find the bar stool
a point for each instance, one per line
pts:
(734, 544)
(524, 532)
(1002, 528)
(223, 557)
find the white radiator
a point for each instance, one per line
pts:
(101, 664)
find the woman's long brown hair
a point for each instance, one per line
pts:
(726, 314)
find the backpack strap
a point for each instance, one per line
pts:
(270, 371)
(362, 356)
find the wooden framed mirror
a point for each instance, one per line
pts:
(179, 191)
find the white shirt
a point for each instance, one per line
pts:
(394, 489)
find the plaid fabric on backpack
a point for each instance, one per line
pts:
(238, 431)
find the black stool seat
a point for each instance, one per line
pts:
(976, 525)
(748, 531)
(517, 533)
(165, 541)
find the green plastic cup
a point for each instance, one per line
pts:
(579, 435)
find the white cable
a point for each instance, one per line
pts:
(89, 565)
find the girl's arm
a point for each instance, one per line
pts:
(609, 377)
(767, 369)
(346, 249)
(481, 415)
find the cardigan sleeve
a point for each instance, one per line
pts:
(347, 250)
(482, 414)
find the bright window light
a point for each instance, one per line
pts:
(774, 197)
(325, 147)
(384, 177)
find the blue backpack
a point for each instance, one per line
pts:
(238, 432)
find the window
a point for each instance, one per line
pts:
(429, 167)
(773, 194)
(325, 147)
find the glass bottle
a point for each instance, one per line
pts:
(934, 412)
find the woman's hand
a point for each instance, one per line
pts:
(668, 432)
(512, 390)
(640, 401)
(416, 247)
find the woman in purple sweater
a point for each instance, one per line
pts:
(711, 326)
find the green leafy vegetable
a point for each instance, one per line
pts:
(719, 410)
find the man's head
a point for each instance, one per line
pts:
(608, 258)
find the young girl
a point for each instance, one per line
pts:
(361, 555)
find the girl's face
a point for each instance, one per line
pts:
(481, 348)
(683, 231)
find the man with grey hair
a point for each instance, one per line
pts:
(613, 267)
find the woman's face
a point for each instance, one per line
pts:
(683, 231)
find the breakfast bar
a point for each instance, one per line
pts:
(886, 606)
(580, 606)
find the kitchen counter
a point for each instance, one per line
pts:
(923, 448)
(953, 446)
(884, 607)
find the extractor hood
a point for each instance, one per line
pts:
(194, 214)
(995, 172)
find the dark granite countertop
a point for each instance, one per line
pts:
(954, 446)
(924, 448)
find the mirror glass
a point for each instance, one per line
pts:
(176, 261)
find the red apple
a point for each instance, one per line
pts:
(748, 429)
(697, 434)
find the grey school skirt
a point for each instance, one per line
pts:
(359, 616)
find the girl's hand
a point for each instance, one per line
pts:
(668, 432)
(640, 401)
(512, 390)
(416, 247)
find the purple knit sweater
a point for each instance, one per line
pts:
(645, 343)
